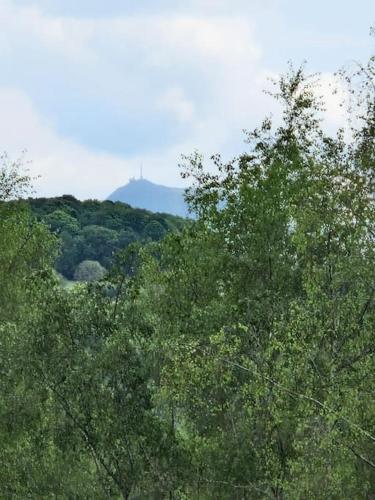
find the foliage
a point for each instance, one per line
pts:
(89, 271)
(264, 311)
(233, 359)
(94, 230)
(14, 180)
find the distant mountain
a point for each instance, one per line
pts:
(141, 193)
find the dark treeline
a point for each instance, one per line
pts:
(94, 230)
(234, 358)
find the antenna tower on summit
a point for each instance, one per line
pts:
(141, 172)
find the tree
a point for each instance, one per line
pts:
(89, 271)
(232, 360)
(25, 245)
(154, 231)
(76, 418)
(264, 310)
(97, 230)
(26, 253)
(92, 372)
(14, 180)
(99, 243)
(60, 221)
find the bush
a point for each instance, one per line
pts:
(89, 270)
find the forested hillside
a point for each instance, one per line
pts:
(234, 358)
(94, 230)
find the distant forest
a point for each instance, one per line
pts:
(95, 230)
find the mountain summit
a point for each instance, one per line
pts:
(141, 193)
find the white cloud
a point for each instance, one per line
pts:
(203, 70)
(117, 55)
(28, 26)
(163, 38)
(226, 40)
(334, 96)
(176, 102)
(64, 166)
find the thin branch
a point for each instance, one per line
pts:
(119, 290)
(306, 398)
(361, 457)
(238, 486)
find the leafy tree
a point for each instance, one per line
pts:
(76, 418)
(264, 310)
(99, 242)
(96, 230)
(26, 252)
(60, 221)
(89, 271)
(25, 246)
(14, 180)
(233, 359)
(126, 237)
(154, 231)
(92, 375)
(71, 254)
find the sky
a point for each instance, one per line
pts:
(93, 89)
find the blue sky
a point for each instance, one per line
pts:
(94, 88)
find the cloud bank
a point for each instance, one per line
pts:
(93, 92)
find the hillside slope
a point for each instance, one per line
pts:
(96, 230)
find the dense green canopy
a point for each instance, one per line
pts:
(232, 359)
(94, 230)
